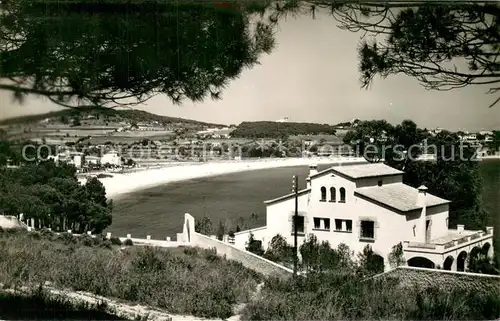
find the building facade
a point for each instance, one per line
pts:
(361, 204)
(111, 158)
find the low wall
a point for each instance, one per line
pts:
(231, 252)
(136, 241)
(448, 280)
(248, 259)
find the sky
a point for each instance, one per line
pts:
(312, 76)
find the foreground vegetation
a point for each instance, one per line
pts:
(38, 305)
(198, 282)
(181, 281)
(330, 296)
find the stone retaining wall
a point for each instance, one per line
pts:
(448, 280)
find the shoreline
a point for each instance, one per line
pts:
(125, 183)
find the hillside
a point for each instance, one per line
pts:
(269, 129)
(107, 114)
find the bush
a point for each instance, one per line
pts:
(254, 246)
(128, 242)
(115, 240)
(191, 251)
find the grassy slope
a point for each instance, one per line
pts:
(38, 305)
(332, 297)
(181, 281)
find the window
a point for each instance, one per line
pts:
(348, 224)
(338, 225)
(327, 224)
(321, 223)
(323, 194)
(367, 229)
(317, 222)
(332, 194)
(379, 183)
(342, 195)
(300, 224)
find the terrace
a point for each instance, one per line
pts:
(450, 251)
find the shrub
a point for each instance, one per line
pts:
(115, 240)
(211, 255)
(128, 242)
(396, 257)
(254, 246)
(191, 251)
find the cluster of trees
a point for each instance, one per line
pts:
(269, 129)
(453, 176)
(495, 144)
(52, 195)
(205, 226)
(319, 257)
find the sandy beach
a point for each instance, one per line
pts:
(121, 184)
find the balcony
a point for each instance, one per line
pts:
(452, 241)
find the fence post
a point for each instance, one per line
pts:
(148, 237)
(69, 231)
(108, 235)
(129, 236)
(168, 238)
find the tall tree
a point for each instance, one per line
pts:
(111, 54)
(444, 46)
(453, 176)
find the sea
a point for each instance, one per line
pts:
(232, 199)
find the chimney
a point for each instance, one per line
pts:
(313, 169)
(422, 193)
(421, 201)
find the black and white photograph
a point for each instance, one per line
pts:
(205, 160)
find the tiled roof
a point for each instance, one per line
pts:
(399, 196)
(366, 170)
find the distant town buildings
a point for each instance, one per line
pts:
(69, 157)
(111, 158)
(282, 120)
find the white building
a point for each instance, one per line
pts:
(94, 160)
(361, 204)
(69, 157)
(282, 120)
(111, 158)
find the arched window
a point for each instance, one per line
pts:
(342, 195)
(323, 193)
(333, 196)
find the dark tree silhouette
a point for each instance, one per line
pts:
(119, 54)
(444, 45)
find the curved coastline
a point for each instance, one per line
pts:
(124, 183)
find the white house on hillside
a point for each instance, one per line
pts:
(111, 158)
(363, 203)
